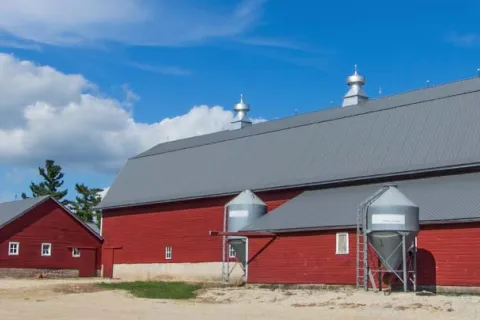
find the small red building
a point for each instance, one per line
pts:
(313, 171)
(39, 236)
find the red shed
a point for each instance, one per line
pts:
(40, 236)
(312, 170)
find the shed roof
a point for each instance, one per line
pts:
(12, 210)
(422, 130)
(9, 211)
(94, 227)
(440, 199)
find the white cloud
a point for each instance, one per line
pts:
(138, 22)
(19, 45)
(46, 114)
(464, 40)
(166, 70)
(104, 192)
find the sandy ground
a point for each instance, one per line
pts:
(80, 299)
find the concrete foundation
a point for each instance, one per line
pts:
(446, 290)
(451, 289)
(206, 272)
(34, 273)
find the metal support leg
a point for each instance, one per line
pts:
(246, 259)
(405, 271)
(379, 274)
(365, 262)
(415, 266)
(225, 258)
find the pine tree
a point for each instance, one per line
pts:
(52, 181)
(85, 203)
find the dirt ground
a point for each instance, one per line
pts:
(81, 299)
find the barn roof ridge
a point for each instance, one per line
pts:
(39, 198)
(247, 132)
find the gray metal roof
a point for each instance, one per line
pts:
(10, 211)
(415, 131)
(444, 198)
(94, 227)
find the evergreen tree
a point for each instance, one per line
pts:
(85, 203)
(52, 181)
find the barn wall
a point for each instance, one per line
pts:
(301, 258)
(448, 255)
(139, 236)
(48, 223)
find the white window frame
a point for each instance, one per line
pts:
(338, 235)
(231, 252)
(17, 247)
(49, 249)
(168, 253)
(76, 254)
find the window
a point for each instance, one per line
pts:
(76, 253)
(168, 253)
(46, 249)
(231, 252)
(342, 243)
(13, 248)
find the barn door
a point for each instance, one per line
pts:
(107, 258)
(88, 262)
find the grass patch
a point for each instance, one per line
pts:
(156, 289)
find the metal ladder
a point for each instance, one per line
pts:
(360, 279)
(363, 274)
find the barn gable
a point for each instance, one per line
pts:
(424, 130)
(13, 210)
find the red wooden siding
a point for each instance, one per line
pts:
(144, 236)
(447, 256)
(49, 223)
(299, 258)
(142, 233)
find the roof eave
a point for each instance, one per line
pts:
(348, 227)
(18, 216)
(441, 169)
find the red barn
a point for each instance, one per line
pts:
(313, 171)
(41, 236)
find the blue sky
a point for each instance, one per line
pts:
(121, 67)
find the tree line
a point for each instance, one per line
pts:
(52, 185)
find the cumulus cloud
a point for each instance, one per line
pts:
(139, 22)
(45, 113)
(104, 192)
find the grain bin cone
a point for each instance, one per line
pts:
(389, 247)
